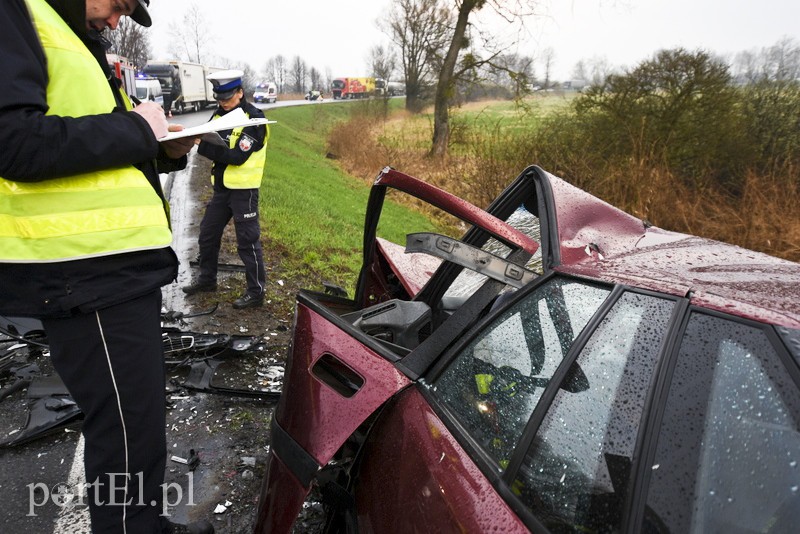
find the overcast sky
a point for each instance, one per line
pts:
(337, 34)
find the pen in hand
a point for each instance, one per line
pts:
(154, 115)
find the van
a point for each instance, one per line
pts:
(149, 89)
(266, 92)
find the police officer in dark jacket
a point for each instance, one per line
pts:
(236, 174)
(85, 238)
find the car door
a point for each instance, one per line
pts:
(548, 393)
(492, 384)
(339, 374)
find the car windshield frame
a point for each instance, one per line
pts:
(485, 224)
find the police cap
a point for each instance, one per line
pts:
(225, 83)
(140, 14)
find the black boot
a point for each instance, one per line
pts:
(248, 301)
(199, 287)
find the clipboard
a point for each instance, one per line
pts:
(208, 131)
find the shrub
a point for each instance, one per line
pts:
(771, 113)
(677, 109)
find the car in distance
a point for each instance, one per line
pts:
(149, 89)
(561, 367)
(266, 92)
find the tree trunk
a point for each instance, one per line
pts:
(413, 101)
(445, 87)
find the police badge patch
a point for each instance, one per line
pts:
(245, 143)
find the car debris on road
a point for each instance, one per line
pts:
(50, 407)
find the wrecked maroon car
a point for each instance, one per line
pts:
(561, 367)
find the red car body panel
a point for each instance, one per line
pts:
(282, 497)
(413, 270)
(583, 219)
(415, 477)
(313, 413)
(602, 242)
(716, 275)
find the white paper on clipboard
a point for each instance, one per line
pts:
(208, 131)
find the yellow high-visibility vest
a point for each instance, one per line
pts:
(86, 215)
(247, 175)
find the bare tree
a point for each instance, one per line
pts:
(298, 75)
(599, 70)
(783, 60)
(382, 62)
(580, 71)
(131, 41)
(513, 11)
(315, 77)
(519, 71)
(275, 71)
(778, 63)
(328, 80)
(548, 62)
(192, 36)
(420, 29)
(746, 66)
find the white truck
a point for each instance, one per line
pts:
(184, 84)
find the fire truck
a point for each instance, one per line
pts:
(349, 88)
(124, 70)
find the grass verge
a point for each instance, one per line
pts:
(312, 212)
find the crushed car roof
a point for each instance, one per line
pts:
(585, 236)
(599, 241)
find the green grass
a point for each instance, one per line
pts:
(311, 211)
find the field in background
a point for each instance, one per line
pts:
(492, 142)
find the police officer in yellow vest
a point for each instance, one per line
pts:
(85, 239)
(236, 176)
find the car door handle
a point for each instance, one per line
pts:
(337, 375)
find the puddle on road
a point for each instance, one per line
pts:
(184, 207)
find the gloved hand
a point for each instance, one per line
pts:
(154, 115)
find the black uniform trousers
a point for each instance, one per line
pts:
(112, 362)
(242, 206)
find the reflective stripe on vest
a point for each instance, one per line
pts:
(247, 175)
(86, 215)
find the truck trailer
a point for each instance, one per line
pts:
(349, 88)
(183, 84)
